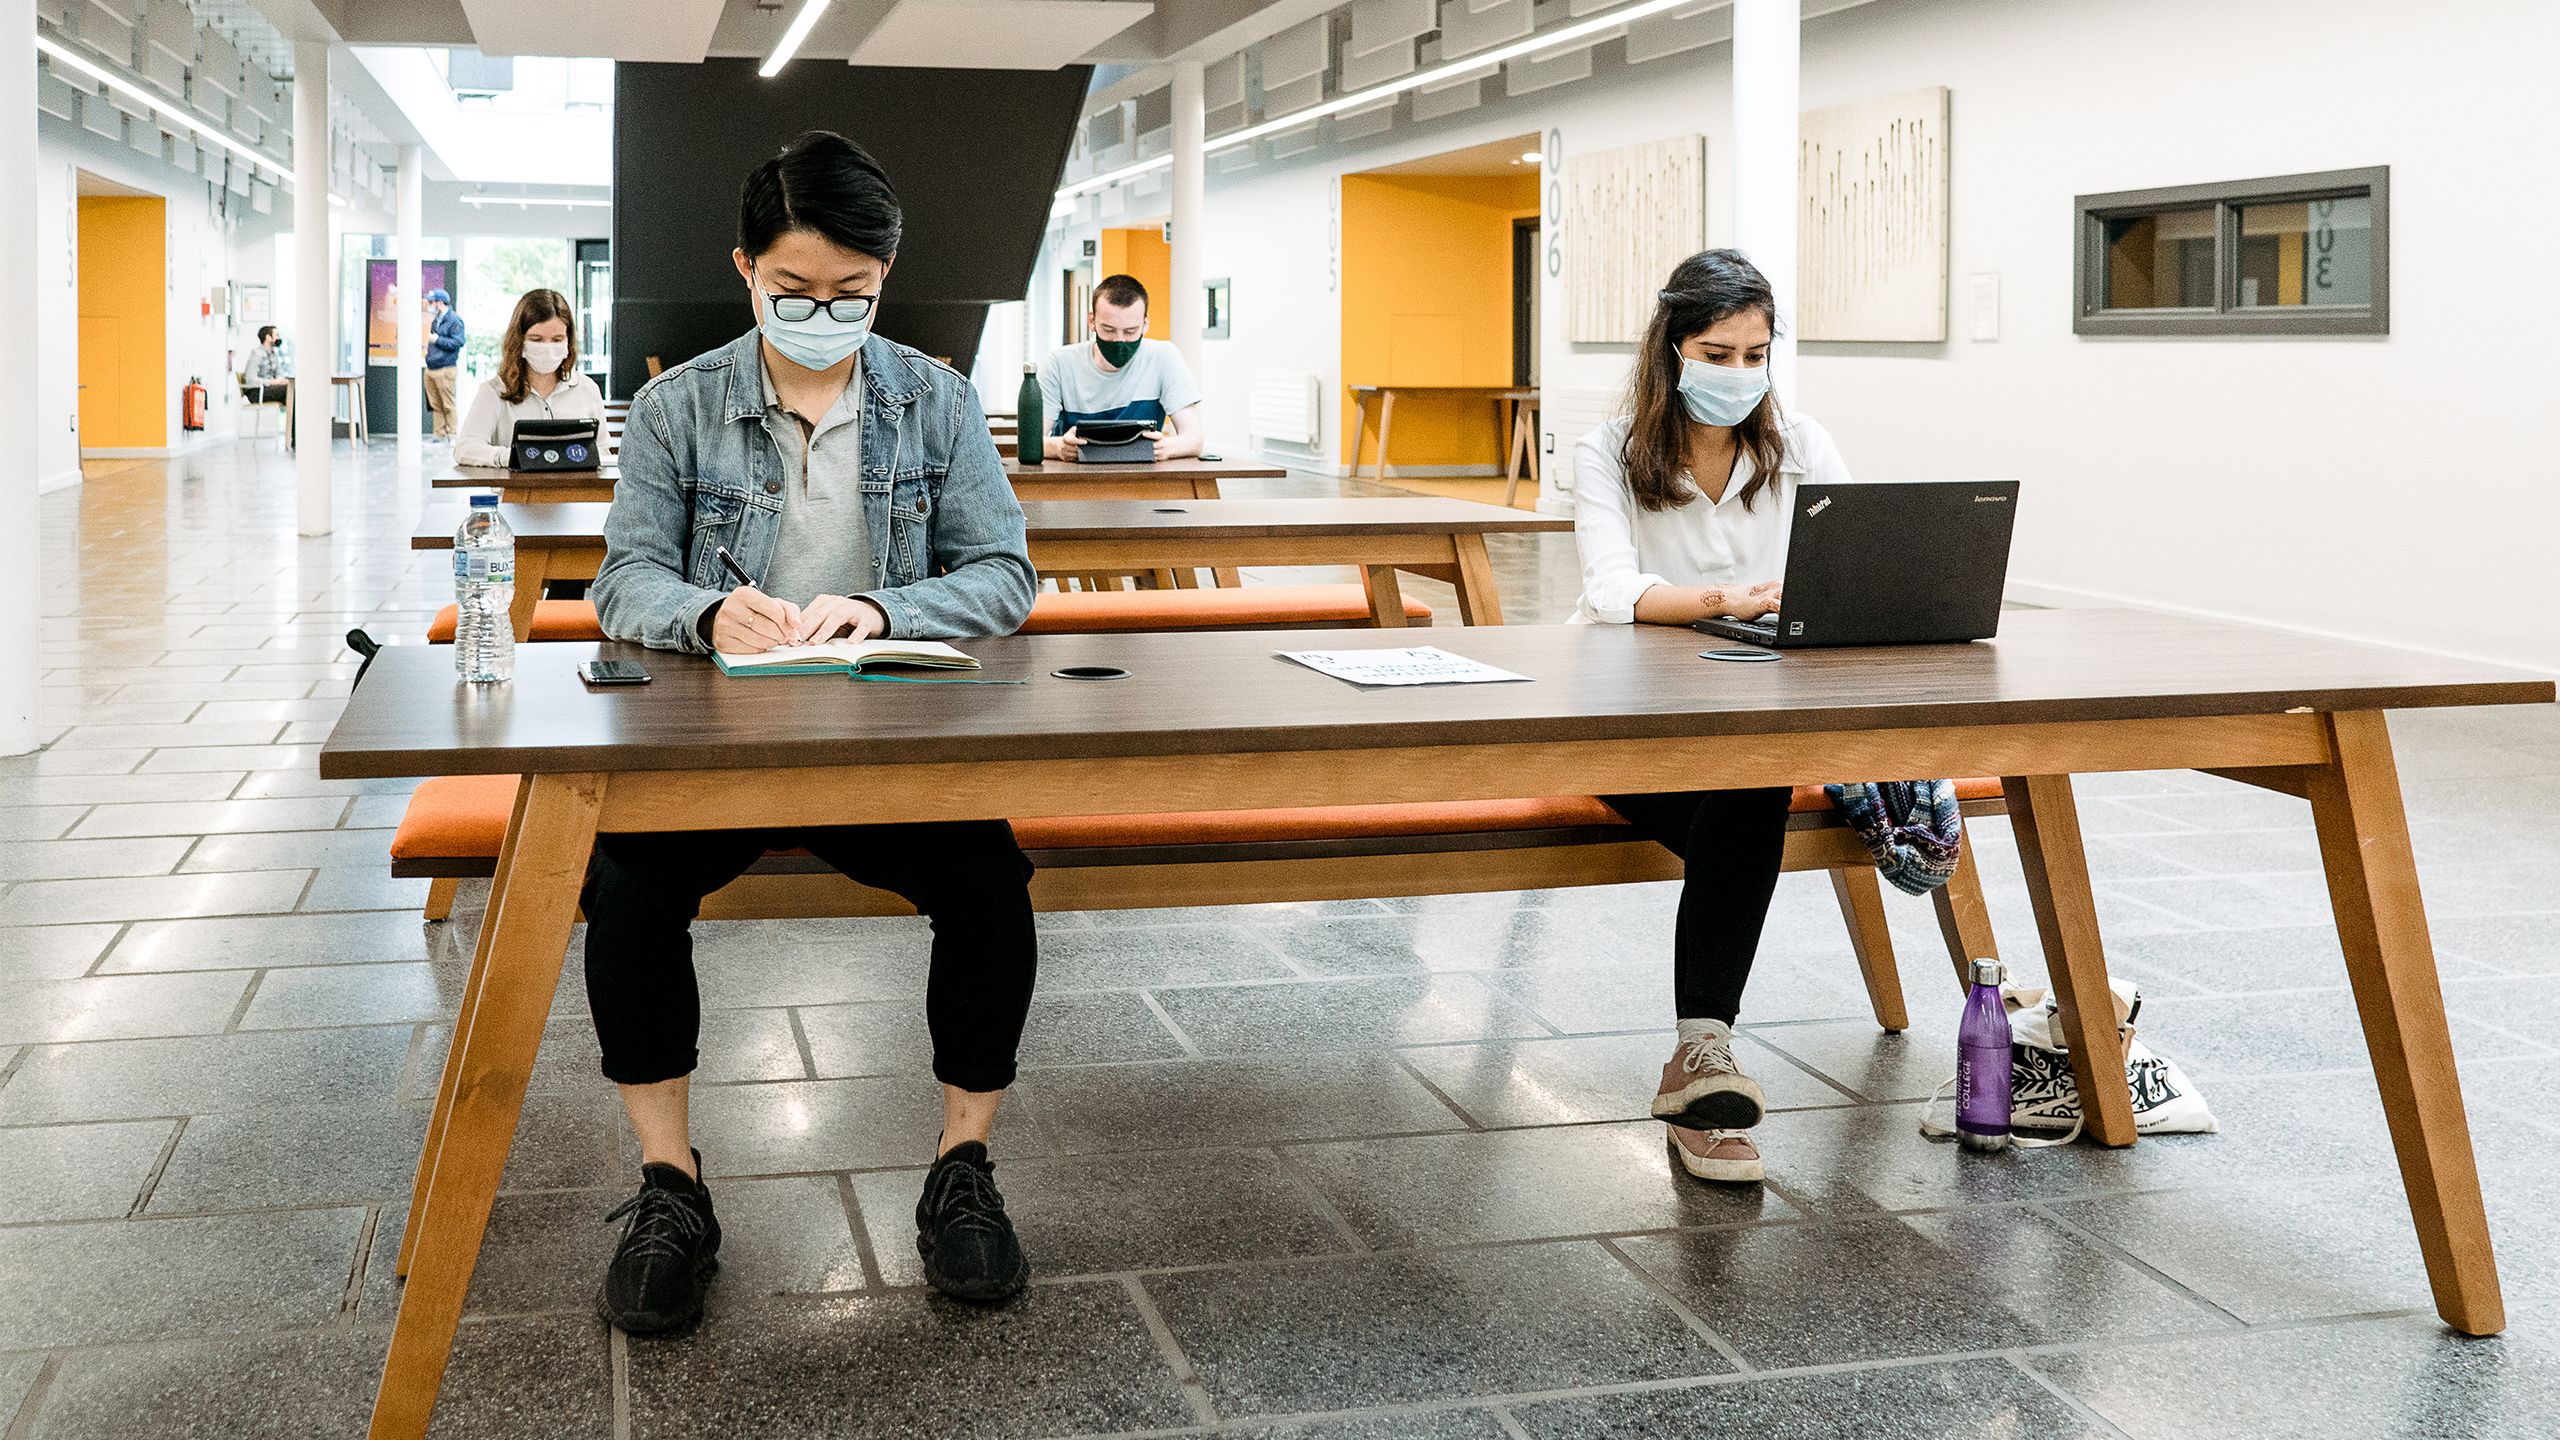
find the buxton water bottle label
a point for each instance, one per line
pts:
(483, 568)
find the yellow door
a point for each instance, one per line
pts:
(124, 322)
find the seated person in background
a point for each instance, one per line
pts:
(1682, 508)
(761, 448)
(262, 382)
(538, 379)
(1120, 375)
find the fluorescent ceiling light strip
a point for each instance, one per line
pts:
(159, 106)
(534, 200)
(1480, 61)
(801, 24)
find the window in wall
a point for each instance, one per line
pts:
(2291, 255)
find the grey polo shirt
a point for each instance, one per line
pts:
(823, 547)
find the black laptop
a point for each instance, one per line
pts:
(1899, 563)
(554, 445)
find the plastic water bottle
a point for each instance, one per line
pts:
(484, 590)
(1982, 1064)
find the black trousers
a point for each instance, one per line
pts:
(968, 877)
(1730, 843)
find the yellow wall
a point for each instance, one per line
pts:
(124, 321)
(1426, 300)
(1143, 255)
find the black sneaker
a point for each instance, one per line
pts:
(969, 1248)
(669, 1251)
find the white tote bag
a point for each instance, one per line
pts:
(2043, 1095)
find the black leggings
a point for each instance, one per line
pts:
(1730, 843)
(968, 877)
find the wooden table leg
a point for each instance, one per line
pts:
(1359, 426)
(1479, 598)
(1861, 898)
(2046, 821)
(533, 570)
(453, 1049)
(1386, 420)
(1386, 596)
(1205, 487)
(530, 918)
(2382, 927)
(1964, 917)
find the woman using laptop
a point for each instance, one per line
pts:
(806, 481)
(538, 379)
(1681, 509)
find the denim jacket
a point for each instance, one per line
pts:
(699, 472)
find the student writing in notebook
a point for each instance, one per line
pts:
(855, 482)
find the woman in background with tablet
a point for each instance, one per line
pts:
(1681, 513)
(538, 379)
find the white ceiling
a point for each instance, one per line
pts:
(1493, 157)
(664, 30)
(995, 34)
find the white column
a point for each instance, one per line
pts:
(1190, 213)
(412, 368)
(21, 596)
(1766, 41)
(315, 348)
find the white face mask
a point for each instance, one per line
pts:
(1721, 394)
(545, 357)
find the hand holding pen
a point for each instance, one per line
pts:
(749, 621)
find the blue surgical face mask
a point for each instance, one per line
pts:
(817, 342)
(1721, 394)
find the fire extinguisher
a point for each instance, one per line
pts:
(193, 401)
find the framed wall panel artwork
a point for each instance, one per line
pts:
(1871, 223)
(1631, 214)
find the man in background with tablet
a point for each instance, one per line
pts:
(1120, 374)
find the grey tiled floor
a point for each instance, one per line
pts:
(1317, 1172)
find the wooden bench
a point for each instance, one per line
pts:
(455, 825)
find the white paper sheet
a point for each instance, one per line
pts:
(1421, 665)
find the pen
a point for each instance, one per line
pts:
(731, 566)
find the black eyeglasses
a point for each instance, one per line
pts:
(795, 308)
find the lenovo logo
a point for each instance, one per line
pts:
(1990, 499)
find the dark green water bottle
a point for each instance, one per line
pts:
(1030, 428)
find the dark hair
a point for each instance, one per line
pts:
(1120, 290)
(265, 331)
(532, 308)
(824, 184)
(1705, 289)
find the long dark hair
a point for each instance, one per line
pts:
(532, 308)
(1705, 288)
(827, 185)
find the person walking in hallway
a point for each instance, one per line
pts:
(444, 352)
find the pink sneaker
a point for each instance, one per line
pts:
(1703, 1088)
(1722, 1155)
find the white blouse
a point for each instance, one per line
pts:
(490, 423)
(1627, 549)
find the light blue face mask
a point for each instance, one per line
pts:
(818, 342)
(1721, 394)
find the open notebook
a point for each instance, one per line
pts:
(845, 657)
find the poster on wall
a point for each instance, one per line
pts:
(1871, 219)
(382, 304)
(1632, 215)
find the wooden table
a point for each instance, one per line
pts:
(1443, 539)
(1212, 720)
(1515, 410)
(531, 486)
(357, 429)
(1147, 480)
(555, 541)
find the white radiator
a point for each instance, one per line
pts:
(1570, 414)
(1283, 406)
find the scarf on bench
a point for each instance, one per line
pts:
(1913, 828)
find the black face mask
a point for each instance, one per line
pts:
(1117, 353)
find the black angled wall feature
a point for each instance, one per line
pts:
(975, 154)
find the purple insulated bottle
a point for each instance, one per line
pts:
(1982, 1064)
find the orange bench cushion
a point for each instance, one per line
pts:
(465, 817)
(552, 620)
(1224, 607)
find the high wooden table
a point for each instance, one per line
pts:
(530, 486)
(1515, 410)
(1192, 479)
(1214, 721)
(554, 541)
(1443, 539)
